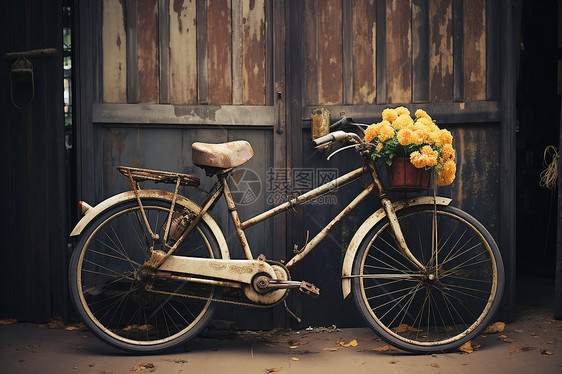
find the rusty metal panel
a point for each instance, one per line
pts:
(474, 14)
(364, 52)
(147, 36)
(441, 50)
(220, 51)
(254, 49)
(398, 51)
(183, 52)
(114, 52)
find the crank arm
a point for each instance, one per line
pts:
(303, 286)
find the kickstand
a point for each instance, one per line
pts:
(290, 312)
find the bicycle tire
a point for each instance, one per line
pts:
(407, 308)
(114, 303)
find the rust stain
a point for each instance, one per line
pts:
(178, 6)
(118, 41)
(441, 50)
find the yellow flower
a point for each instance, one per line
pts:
(420, 113)
(401, 110)
(402, 121)
(370, 133)
(446, 137)
(379, 147)
(419, 136)
(386, 131)
(447, 175)
(389, 114)
(405, 136)
(426, 157)
(424, 121)
(447, 152)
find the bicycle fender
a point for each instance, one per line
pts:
(368, 225)
(158, 194)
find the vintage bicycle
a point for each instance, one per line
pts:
(149, 265)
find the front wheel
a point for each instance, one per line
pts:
(117, 300)
(441, 308)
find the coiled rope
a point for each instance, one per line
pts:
(549, 175)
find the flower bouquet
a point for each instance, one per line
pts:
(426, 146)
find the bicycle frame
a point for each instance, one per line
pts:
(240, 226)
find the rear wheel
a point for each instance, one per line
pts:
(128, 308)
(446, 305)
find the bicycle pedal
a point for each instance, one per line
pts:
(309, 289)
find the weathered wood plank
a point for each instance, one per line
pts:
(452, 112)
(330, 69)
(364, 51)
(474, 31)
(493, 50)
(441, 50)
(310, 53)
(458, 60)
(381, 48)
(398, 51)
(347, 50)
(114, 52)
(164, 50)
(237, 52)
(420, 51)
(183, 52)
(147, 36)
(132, 51)
(238, 115)
(220, 52)
(202, 53)
(254, 52)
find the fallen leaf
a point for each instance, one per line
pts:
(502, 336)
(527, 348)
(72, 328)
(435, 365)
(180, 361)
(518, 330)
(331, 349)
(352, 343)
(385, 348)
(139, 367)
(546, 352)
(403, 327)
(549, 342)
(466, 347)
(273, 370)
(495, 328)
(533, 333)
(56, 323)
(295, 358)
(10, 321)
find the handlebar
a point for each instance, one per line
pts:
(330, 138)
(341, 123)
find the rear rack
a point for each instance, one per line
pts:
(141, 175)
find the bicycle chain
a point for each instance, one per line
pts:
(241, 303)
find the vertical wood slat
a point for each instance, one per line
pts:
(114, 52)
(330, 83)
(202, 54)
(253, 52)
(131, 20)
(420, 51)
(492, 50)
(458, 59)
(381, 55)
(164, 51)
(441, 50)
(220, 52)
(364, 52)
(269, 91)
(183, 52)
(310, 53)
(398, 52)
(237, 52)
(147, 36)
(474, 46)
(347, 60)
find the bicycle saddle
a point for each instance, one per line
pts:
(222, 155)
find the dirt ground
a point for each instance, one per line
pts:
(531, 344)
